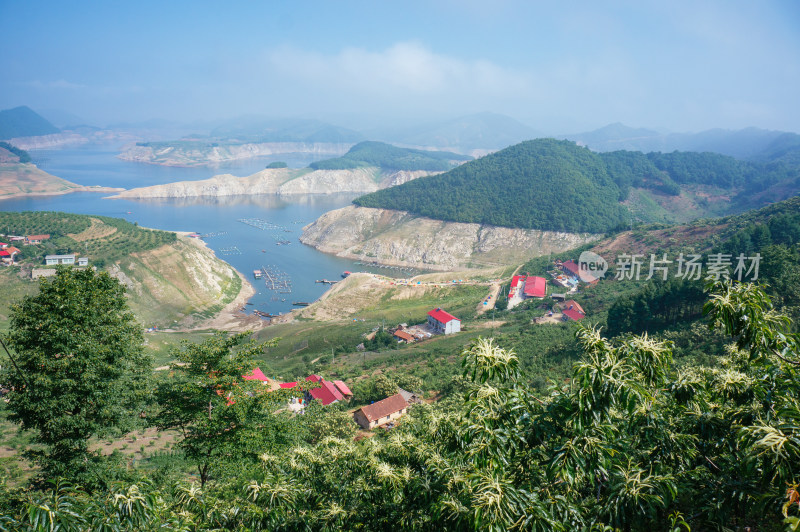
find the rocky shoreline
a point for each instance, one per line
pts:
(188, 154)
(399, 238)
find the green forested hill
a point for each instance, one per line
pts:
(540, 184)
(24, 122)
(390, 157)
(556, 185)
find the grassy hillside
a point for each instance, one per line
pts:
(390, 157)
(24, 122)
(171, 281)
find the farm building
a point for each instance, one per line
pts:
(443, 322)
(403, 336)
(52, 260)
(36, 239)
(571, 310)
(382, 412)
(535, 287)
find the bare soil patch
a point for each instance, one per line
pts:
(95, 231)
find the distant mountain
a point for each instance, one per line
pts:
(62, 119)
(259, 129)
(24, 122)
(483, 131)
(785, 148)
(386, 156)
(749, 143)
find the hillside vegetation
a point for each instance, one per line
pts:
(558, 186)
(171, 280)
(542, 184)
(24, 122)
(390, 157)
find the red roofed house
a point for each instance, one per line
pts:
(3, 245)
(573, 315)
(327, 393)
(443, 322)
(535, 287)
(343, 389)
(403, 336)
(257, 375)
(382, 412)
(570, 267)
(515, 282)
(36, 239)
(572, 310)
(5, 256)
(288, 384)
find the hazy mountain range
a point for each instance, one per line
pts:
(475, 134)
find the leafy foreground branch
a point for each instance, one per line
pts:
(628, 443)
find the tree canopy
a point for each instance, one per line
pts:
(388, 157)
(79, 367)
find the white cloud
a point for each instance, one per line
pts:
(60, 84)
(404, 68)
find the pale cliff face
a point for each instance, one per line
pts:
(188, 155)
(283, 181)
(399, 238)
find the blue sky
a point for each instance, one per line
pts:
(559, 67)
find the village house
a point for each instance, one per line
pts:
(403, 336)
(571, 268)
(327, 393)
(3, 245)
(52, 260)
(571, 310)
(443, 322)
(410, 397)
(517, 282)
(535, 287)
(8, 253)
(36, 239)
(381, 413)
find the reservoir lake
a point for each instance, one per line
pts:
(245, 247)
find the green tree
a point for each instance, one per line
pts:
(327, 421)
(222, 418)
(79, 370)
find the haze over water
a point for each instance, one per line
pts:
(239, 244)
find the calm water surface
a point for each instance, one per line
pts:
(245, 247)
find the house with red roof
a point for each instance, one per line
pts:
(572, 310)
(403, 336)
(258, 375)
(535, 287)
(573, 315)
(443, 322)
(382, 412)
(3, 245)
(571, 268)
(516, 282)
(572, 305)
(327, 393)
(36, 239)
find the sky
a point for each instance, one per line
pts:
(559, 67)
